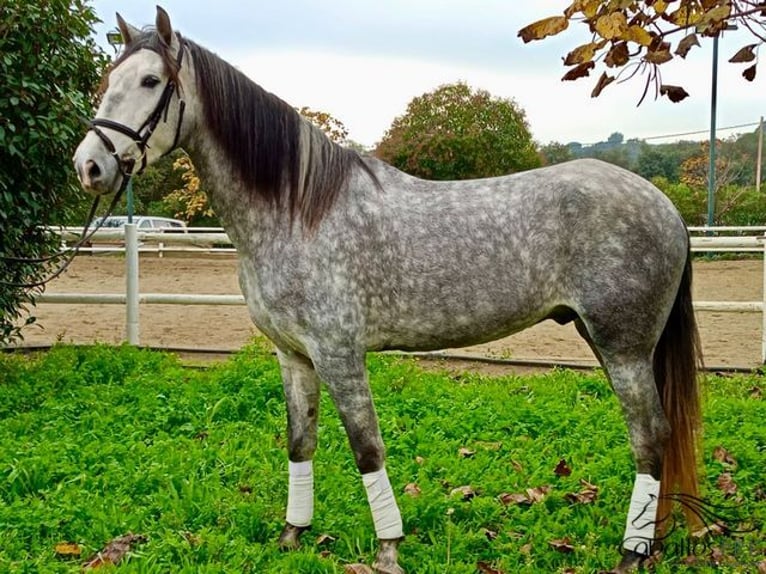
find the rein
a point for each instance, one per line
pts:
(141, 138)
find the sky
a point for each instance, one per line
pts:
(363, 61)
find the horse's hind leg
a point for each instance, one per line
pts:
(631, 374)
(301, 386)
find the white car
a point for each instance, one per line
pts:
(143, 223)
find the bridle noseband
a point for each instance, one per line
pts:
(141, 136)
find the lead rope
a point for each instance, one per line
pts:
(69, 253)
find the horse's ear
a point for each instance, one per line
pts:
(164, 29)
(129, 33)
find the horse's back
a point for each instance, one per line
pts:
(470, 261)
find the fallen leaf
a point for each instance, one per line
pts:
(517, 466)
(490, 534)
(246, 489)
(513, 498)
(419, 460)
(568, 571)
(114, 552)
(749, 73)
(717, 557)
(466, 452)
(485, 568)
(674, 93)
(68, 549)
(538, 494)
(325, 539)
(714, 529)
(412, 489)
(762, 567)
(563, 545)
(755, 393)
(357, 569)
(562, 469)
(489, 445)
(726, 484)
(586, 496)
(690, 560)
(531, 496)
(467, 492)
(724, 457)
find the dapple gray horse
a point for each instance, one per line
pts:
(340, 254)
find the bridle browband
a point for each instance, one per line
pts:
(141, 138)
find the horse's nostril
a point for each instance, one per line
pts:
(92, 169)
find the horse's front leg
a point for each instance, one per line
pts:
(346, 379)
(301, 386)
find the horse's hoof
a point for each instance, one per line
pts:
(630, 562)
(290, 537)
(394, 568)
(387, 560)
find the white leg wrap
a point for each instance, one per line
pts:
(642, 515)
(385, 512)
(300, 493)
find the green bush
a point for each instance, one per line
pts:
(50, 65)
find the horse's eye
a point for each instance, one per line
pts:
(150, 81)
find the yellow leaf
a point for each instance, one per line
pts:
(612, 25)
(68, 549)
(589, 8)
(543, 28)
(638, 35)
(686, 15)
(660, 6)
(584, 53)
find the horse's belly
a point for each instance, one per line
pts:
(456, 326)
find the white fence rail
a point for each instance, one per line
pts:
(215, 240)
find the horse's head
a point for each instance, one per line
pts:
(141, 116)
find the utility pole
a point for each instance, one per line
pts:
(760, 156)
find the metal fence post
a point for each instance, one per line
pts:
(131, 291)
(763, 309)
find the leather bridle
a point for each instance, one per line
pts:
(141, 138)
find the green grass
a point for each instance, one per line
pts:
(97, 442)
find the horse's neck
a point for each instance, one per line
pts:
(248, 219)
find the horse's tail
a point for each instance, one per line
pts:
(677, 359)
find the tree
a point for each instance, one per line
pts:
(637, 37)
(555, 152)
(50, 65)
(189, 201)
(455, 132)
(331, 126)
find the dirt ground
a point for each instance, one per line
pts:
(728, 339)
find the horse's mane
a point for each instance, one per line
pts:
(277, 154)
